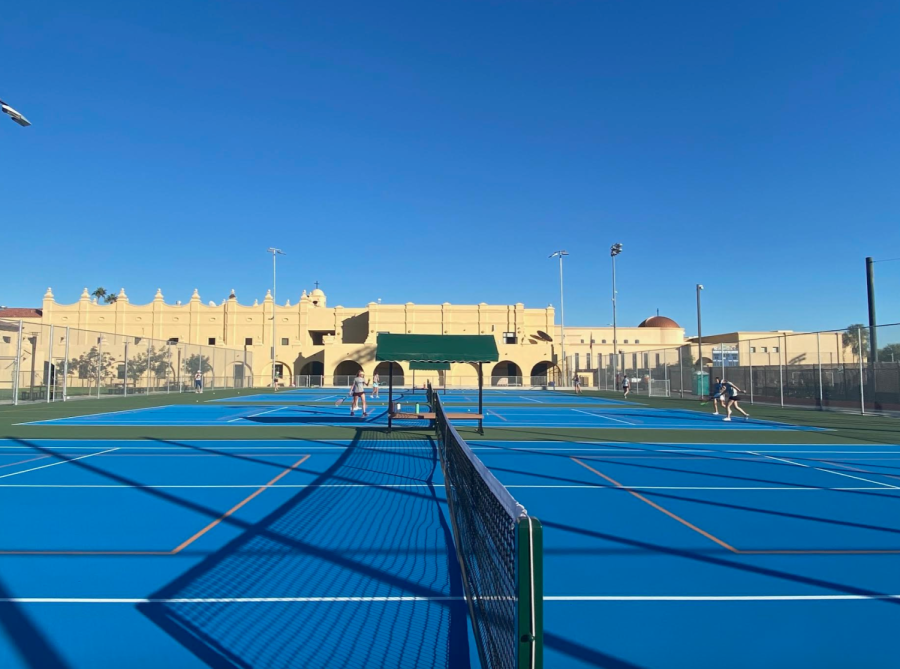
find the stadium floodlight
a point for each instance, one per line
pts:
(562, 316)
(699, 335)
(275, 253)
(14, 115)
(615, 250)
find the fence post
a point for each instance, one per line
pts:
(750, 359)
(18, 365)
(65, 391)
(50, 376)
(722, 353)
(862, 392)
(149, 357)
(681, 371)
(819, 356)
(666, 375)
(125, 374)
(99, 363)
(213, 356)
(780, 374)
(168, 364)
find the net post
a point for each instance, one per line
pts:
(530, 577)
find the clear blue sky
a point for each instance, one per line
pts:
(440, 151)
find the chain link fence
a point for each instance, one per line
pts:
(50, 363)
(829, 369)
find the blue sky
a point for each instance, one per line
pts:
(440, 151)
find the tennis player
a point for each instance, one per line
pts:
(716, 396)
(198, 382)
(732, 398)
(358, 391)
(576, 381)
(376, 384)
(626, 384)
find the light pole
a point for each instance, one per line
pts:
(615, 250)
(275, 252)
(562, 314)
(699, 333)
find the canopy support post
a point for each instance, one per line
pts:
(390, 396)
(480, 399)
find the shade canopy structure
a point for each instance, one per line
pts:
(433, 350)
(436, 348)
(429, 366)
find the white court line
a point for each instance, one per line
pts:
(829, 471)
(715, 598)
(547, 598)
(256, 414)
(322, 399)
(596, 415)
(103, 413)
(421, 485)
(531, 399)
(61, 462)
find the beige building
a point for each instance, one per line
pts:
(315, 340)
(317, 344)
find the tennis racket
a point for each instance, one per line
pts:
(340, 402)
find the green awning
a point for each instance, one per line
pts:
(436, 348)
(429, 366)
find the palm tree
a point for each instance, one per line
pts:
(101, 294)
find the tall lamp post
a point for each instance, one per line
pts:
(275, 252)
(562, 314)
(14, 115)
(615, 250)
(699, 333)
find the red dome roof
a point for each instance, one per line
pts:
(659, 322)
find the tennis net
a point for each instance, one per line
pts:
(499, 547)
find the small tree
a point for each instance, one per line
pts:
(156, 360)
(195, 362)
(890, 353)
(92, 365)
(856, 337)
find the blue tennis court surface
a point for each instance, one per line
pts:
(214, 414)
(338, 553)
(451, 399)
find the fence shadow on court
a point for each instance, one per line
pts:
(360, 541)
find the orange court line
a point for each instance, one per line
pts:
(659, 508)
(237, 506)
(738, 551)
(22, 462)
(182, 545)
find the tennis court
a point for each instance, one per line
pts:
(666, 543)
(452, 398)
(209, 415)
